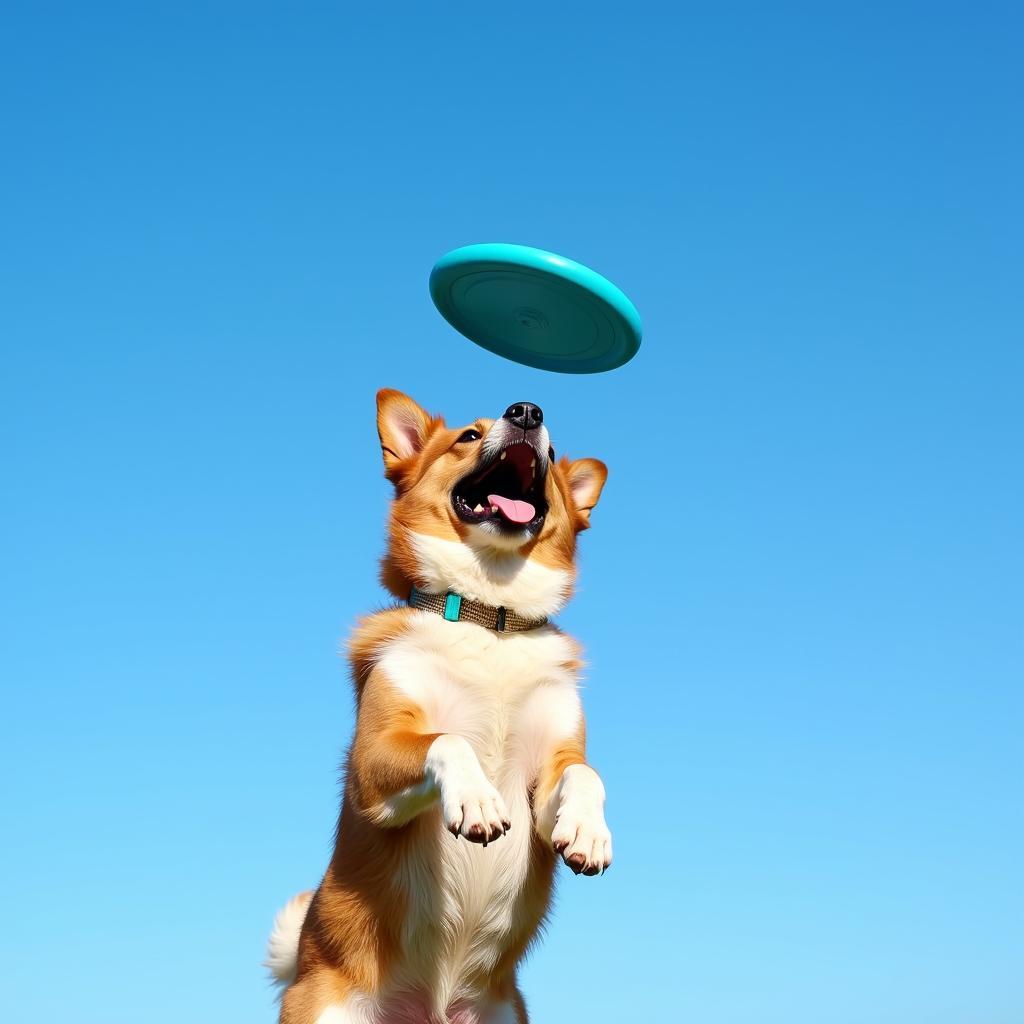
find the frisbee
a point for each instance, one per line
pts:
(536, 308)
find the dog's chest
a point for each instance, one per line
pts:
(512, 696)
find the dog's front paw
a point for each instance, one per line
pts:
(471, 806)
(582, 838)
(476, 811)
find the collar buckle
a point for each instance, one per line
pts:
(452, 606)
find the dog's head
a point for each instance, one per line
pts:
(483, 509)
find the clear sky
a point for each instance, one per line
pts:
(802, 596)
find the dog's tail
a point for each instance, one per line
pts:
(283, 947)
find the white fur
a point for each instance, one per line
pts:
(357, 1009)
(503, 692)
(283, 945)
(362, 1009)
(502, 578)
(578, 828)
(468, 800)
(503, 702)
(338, 1014)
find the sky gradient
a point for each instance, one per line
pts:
(801, 600)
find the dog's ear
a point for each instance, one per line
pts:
(586, 479)
(402, 426)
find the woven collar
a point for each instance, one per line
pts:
(456, 608)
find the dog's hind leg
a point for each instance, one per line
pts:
(323, 998)
(512, 1011)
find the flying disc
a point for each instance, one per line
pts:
(536, 308)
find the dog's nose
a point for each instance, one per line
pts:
(524, 415)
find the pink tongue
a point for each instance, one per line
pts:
(514, 511)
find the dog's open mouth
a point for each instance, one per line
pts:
(508, 490)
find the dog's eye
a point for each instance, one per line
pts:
(551, 455)
(469, 435)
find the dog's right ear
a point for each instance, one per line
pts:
(402, 426)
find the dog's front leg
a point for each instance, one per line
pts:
(399, 769)
(569, 810)
(470, 805)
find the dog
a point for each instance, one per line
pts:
(466, 779)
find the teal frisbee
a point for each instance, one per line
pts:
(536, 308)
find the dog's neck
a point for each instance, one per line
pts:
(498, 578)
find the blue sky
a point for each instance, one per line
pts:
(801, 599)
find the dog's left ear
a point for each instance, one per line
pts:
(402, 426)
(586, 479)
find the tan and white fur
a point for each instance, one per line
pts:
(466, 779)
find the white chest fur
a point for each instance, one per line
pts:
(513, 697)
(494, 577)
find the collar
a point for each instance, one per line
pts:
(456, 608)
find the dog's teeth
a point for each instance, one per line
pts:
(479, 508)
(494, 508)
(532, 464)
(503, 454)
